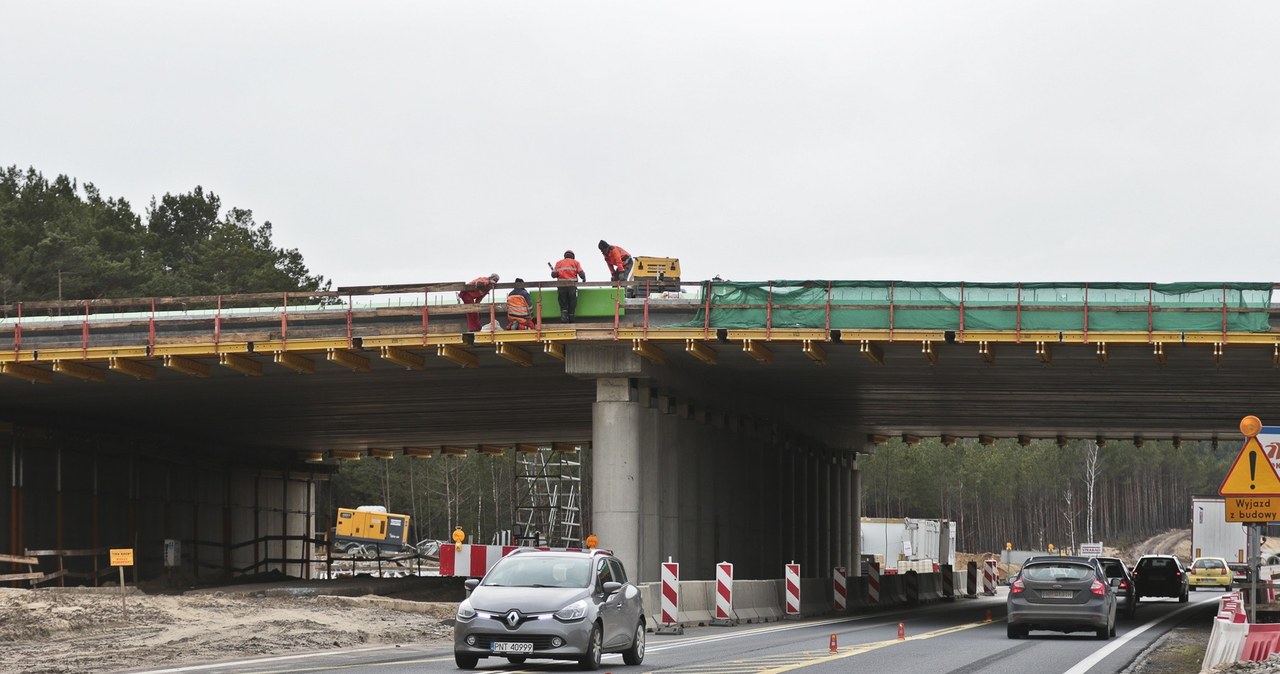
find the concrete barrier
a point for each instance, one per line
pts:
(753, 601)
(857, 592)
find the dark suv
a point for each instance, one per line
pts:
(1118, 576)
(1160, 576)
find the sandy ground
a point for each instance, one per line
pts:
(73, 631)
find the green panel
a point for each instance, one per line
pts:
(592, 303)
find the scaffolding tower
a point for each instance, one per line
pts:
(549, 496)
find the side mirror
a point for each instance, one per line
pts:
(611, 587)
(471, 584)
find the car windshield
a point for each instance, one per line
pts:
(540, 571)
(1056, 572)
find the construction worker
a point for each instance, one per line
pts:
(518, 307)
(567, 271)
(619, 262)
(474, 292)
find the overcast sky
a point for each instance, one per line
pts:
(404, 142)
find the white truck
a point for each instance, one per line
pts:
(1212, 535)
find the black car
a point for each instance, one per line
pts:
(1118, 575)
(1160, 576)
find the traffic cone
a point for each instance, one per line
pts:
(902, 631)
(833, 648)
(988, 618)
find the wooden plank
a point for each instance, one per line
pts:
(67, 553)
(13, 559)
(20, 576)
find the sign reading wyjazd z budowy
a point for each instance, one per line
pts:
(1251, 488)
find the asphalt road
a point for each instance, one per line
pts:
(945, 638)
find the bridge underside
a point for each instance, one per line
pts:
(692, 460)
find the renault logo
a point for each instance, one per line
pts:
(513, 618)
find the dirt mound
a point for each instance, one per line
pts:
(70, 630)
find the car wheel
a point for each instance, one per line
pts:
(1195, 587)
(635, 654)
(465, 661)
(1183, 598)
(1014, 632)
(516, 659)
(1102, 632)
(591, 660)
(1111, 631)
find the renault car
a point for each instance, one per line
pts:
(558, 605)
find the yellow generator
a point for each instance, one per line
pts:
(663, 273)
(370, 528)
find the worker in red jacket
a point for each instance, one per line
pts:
(472, 294)
(568, 270)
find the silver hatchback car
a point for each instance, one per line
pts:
(551, 604)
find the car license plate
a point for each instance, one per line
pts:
(511, 647)
(1057, 594)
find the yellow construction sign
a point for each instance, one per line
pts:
(1252, 473)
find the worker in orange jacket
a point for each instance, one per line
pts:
(472, 294)
(618, 260)
(568, 270)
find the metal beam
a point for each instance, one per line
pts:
(554, 349)
(700, 351)
(649, 352)
(926, 349)
(872, 352)
(514, 354)
(984, 352)
(27, 373)
(79, 371)
(813, 351)
(132, 368)
(403, 357)
(186, 366)
(758, 351)
(242, 364)
(347, 359)
(294, 362)
(457, 355)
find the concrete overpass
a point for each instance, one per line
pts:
(127, 422)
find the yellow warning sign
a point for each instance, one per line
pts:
(1252, 473)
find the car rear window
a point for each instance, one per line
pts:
(1113, 569)
(1209, 564)
(1156, 564)
(1057, 571)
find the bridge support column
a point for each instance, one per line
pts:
(617, 472)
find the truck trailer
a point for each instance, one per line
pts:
(1212, 535)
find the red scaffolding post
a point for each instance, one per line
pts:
(426, 296)
(151, 329)
(350, 343)
(84, 333)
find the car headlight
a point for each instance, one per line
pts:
(575, 611)
(465, 612)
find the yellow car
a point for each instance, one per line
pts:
(1209, 572)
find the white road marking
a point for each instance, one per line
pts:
(1087, 663)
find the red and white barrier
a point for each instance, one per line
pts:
(990, 571)
(793, 590)
(873, 583)
(473, 561)
(670, 611)
(839, 588)
(724, 595)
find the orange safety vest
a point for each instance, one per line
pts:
(568, 269)
(517, 306)
(616, 258)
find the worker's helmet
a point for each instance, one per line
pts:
(493, 277)
(569, 254)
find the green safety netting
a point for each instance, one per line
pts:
(1180, 307)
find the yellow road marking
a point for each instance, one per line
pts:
(866, 648)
